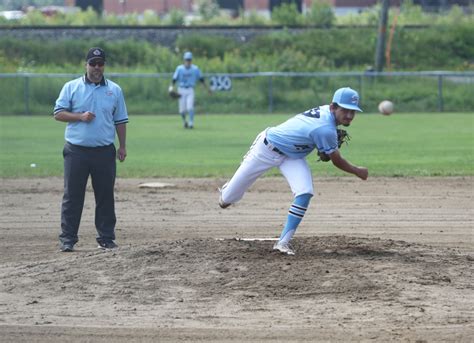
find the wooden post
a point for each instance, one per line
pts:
(380, 49)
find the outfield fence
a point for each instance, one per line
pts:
(263, 92)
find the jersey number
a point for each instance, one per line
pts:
(313, 113)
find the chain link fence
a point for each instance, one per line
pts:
(266, 92)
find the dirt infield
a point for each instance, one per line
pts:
(386, 259)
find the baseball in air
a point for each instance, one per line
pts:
(33, 165)
(386, 107)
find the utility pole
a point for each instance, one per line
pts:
(380, 50)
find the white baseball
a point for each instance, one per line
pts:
(33, 165)
(386, 107)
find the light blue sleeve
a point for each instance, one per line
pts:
(176, 73)
(63, 103)
(325, 138)
(120, 114)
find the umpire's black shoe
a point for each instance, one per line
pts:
(109, 245)
(66, 247)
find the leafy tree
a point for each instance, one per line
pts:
(34, 17)
(208, 9)
(252, 17)
(321, 14)
(175, 17)
(287, 14)
(87, 17)
(150, 18)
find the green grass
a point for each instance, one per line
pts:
(421, 144)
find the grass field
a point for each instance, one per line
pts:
(418, 144)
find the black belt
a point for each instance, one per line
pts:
(274, 149)
(90, 147)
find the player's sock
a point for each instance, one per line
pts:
(295, 215)
(183, 116)
(191, 118)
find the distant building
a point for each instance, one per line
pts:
(261, 6)
(164, 6)
(140, 6)
(97, 5)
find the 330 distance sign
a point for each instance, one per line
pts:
(220, 83)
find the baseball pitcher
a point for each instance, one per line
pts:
(286, 147)
(187, 75)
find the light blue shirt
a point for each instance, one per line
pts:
(105, 100)
(187, 77)
(300, 135)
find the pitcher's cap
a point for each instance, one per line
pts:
(95, 53)
(187, 55)
(347, 98)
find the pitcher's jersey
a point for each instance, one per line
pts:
(187, 77)
(300, 135)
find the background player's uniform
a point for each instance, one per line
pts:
(286, 147)
(187, 79)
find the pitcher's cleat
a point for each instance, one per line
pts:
(284, 248)
(223, 204)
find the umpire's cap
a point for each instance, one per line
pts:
(187, 55)
(95, 54)
(347, 98)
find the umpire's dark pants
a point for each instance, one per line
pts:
(79, 163)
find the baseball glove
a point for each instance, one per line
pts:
(174, 94)
(342, 137)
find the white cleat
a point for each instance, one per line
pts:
(223, 204)
(284, 248)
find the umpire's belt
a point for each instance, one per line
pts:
(271, 146)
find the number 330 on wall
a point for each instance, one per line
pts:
(220, 83)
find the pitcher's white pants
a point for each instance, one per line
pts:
(257, 161)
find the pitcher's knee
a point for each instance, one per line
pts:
(303, 199)
(304, 191)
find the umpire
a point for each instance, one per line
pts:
(94, 108)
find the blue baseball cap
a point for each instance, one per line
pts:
(187, 56)
(347, 98)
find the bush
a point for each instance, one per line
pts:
(441, 47)
(320, 14)
(205, 46)
(252, 18)
(287, 14)
(175, 17)
(208, 9)
(447, 47)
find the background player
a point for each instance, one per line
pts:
(286, 147)
(187, 74)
